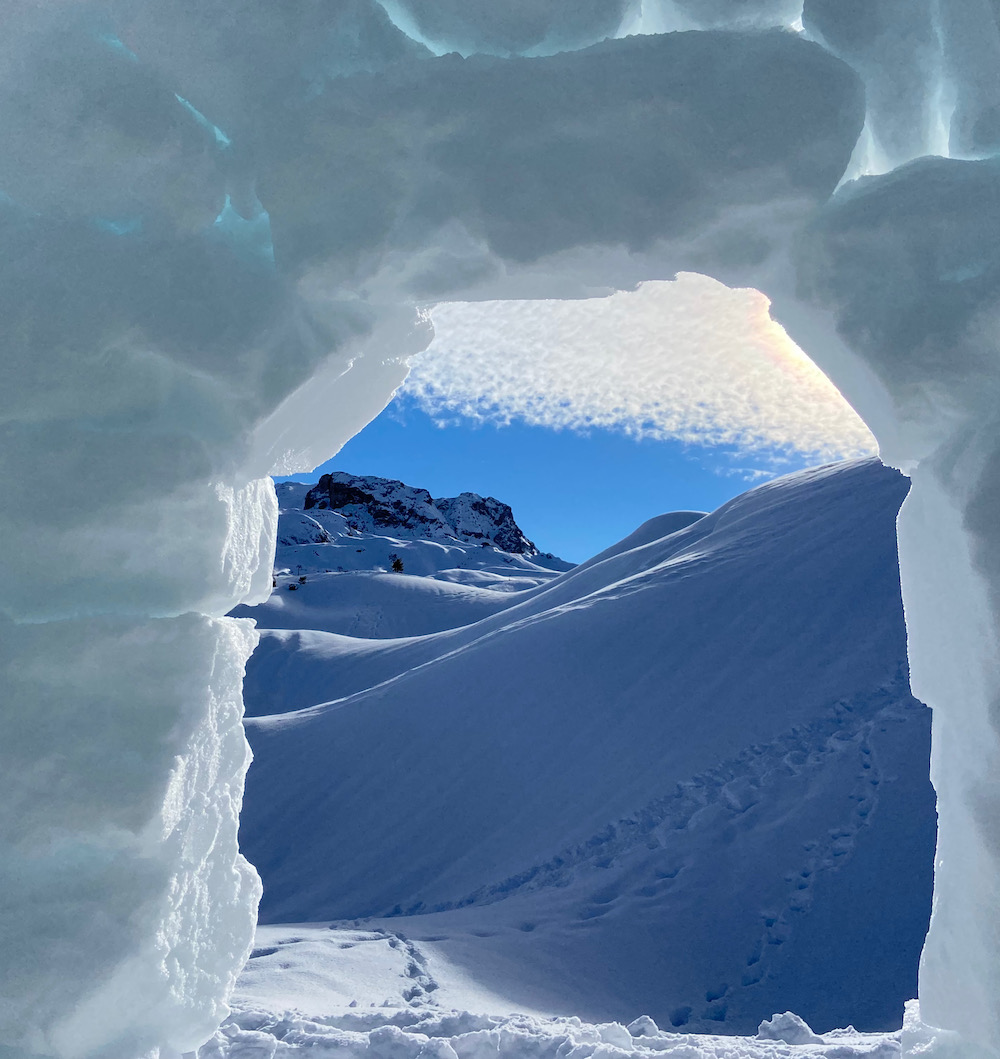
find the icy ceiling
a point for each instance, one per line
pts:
(218, 220)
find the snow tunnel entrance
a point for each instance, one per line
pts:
(216, 240)
(658, 783)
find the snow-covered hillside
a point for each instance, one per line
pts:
(334, 566)
(381, 505)
(684, 779)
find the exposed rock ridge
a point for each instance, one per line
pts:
(376, 505)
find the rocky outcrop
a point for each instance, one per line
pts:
(476, 517)
(382, 505)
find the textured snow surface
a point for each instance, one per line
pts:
(254, 1033)
(341, 1027)
(596, 799)
(122, 848)
(930, 69)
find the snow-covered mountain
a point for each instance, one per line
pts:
(684, 779)
(396, 564)
(383, 505)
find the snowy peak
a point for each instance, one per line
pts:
(382, 505)
(485, 519)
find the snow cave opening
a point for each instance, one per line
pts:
(162, 358)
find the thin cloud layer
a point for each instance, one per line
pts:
(690, 360)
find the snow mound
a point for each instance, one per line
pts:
(259, 1033)
(787, 1027)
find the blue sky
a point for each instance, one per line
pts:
(590, 416)
(572, 493)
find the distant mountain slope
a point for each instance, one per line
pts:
(383, 505)
(334, 565)
(686, 777)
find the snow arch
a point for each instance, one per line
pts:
(218, 223)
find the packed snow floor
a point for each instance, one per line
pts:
(254, 1034)
(374, 994)
(336, 992)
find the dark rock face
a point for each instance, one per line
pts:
(383, 505)
(469, 511)
(338, 495)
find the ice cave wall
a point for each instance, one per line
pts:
(218, 221)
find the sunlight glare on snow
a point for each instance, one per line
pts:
(690, 359)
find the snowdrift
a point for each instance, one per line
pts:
(686, 778)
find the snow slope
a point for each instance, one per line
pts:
(685, 779)
(346, 561)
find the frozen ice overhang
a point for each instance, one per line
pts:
(157, 363)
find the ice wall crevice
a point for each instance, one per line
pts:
(153, 372)
(930, 71)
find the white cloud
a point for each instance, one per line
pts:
(691, 360)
